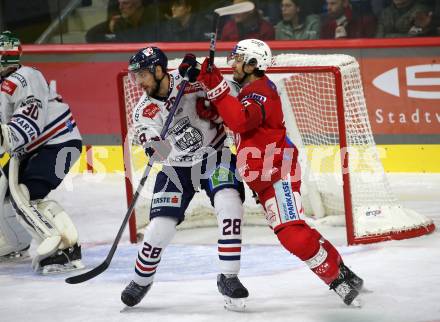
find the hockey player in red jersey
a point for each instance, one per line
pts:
(267, 161)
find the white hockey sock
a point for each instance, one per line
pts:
(229, 210)
(158, 235)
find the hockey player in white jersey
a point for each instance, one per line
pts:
(39, 133)
(193, 157)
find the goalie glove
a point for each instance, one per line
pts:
(215, 85)
(189, 67)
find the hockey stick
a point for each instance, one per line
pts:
(228, 10)
(220, 12)
(105, 264)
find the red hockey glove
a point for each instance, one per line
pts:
(205, 110)
(215, 85)
(189, 67)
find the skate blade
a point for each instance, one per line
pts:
(236, 305)
(357, 303)
(62, 268)
(16, 258)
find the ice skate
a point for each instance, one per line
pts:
(343, 287)
(62, 261)
(354, 280)
(233, 291)
(134, 293)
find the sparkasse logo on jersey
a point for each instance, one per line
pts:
(420, 81)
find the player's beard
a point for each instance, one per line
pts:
(151, 90)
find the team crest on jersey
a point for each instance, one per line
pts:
(8, 87)
(150, 111)
(187, 137)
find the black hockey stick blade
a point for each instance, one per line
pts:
(88, 275)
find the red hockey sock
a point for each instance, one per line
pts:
(325, 263)
(319, 254)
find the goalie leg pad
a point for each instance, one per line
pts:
(229, 211)
(46, 221)
(66, 228)
(13, 237)
(158, 235)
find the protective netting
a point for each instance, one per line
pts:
(312, 87)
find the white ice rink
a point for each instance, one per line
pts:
(403, 276)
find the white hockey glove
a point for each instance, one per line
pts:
(158, 149)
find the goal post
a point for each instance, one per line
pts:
(343, 180)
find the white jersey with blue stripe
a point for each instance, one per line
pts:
(191, 136)
(33, 112)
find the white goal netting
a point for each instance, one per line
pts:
(325, 113)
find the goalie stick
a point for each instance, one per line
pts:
(228, 10)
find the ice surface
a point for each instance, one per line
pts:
(403, 275)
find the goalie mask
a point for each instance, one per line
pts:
(10, 51)
(252, 51)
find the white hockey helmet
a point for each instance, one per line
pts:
(252, 51)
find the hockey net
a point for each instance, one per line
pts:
(343, 180)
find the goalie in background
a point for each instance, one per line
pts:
(39, 132)
(273, 172)
(193, 156)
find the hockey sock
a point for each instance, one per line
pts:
(308, 244)
(158, 235)
(229, 210)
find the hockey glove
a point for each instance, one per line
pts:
(215, 85)
(158, 149)
(206, 110)
(189, 67)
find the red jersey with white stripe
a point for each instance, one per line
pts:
(264, 155)
(33, 112)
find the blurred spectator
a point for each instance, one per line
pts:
(247, 25)
(135, 21)
(294, 24)
(28, 19)
(270, 10)
(406, 18)
(185, 24)
(341, 21)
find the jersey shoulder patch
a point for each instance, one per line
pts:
(8, 87)
(150, 110)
